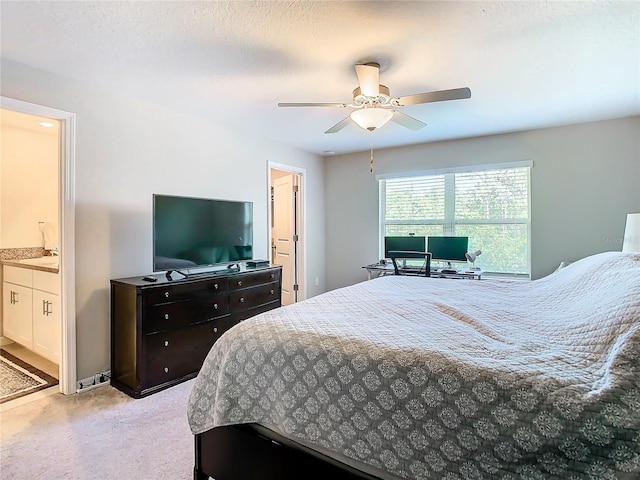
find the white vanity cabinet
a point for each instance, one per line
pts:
(31, 300)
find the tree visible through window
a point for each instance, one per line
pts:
(490, 206)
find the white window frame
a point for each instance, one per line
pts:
(449, 221)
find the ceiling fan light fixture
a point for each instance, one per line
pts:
(371, 118)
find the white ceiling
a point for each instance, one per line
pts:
(528, 64)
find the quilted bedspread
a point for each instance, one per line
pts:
(439, 378)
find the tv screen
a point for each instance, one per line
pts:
(198, 232)
(450, 249)
(404, 244)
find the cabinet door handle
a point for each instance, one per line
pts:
(14, 297)
(166, 369)
(166, 316)
(166, 343)
(45, 308)
(215, 329)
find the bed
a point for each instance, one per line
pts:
(413, 377)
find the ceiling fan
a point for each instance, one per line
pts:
(374, 107)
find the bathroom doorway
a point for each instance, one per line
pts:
(66, 231)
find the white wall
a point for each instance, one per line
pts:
(29, 185)
(585, 179)
(126, 150)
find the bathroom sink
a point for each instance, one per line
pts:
(42, 261)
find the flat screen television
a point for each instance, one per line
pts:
(404, 244)
(199, 232)
(448, 249)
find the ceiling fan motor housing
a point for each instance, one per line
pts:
(382, 98)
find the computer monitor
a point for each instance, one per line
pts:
(448, 249)
(404, 244)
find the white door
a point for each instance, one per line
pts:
(283, 242)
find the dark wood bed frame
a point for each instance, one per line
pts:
(253, 452)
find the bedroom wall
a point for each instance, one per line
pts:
(584, 181)
(126, 150)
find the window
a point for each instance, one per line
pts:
(489, 205)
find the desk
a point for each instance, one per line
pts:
(375, 270)
(461, 273)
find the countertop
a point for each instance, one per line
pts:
(21, 263)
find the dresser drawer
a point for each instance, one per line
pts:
(252, 279)
(254, 296)
(178, 341)
(170, 367)
(177, 315)
(184, 291)
(252, 312)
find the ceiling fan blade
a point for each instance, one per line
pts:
(338, 105)
(369, 79)
(340, 125)
(407, 121)
(439, 96)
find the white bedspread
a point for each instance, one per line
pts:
(439, 378)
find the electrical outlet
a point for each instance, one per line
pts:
(93, 382)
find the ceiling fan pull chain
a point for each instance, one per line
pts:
(371, 161)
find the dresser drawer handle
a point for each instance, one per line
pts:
(271, 292)
(215, 329)
(166, 343)
(215, 286)
(166, 316)
(241, 299)
(166, 294)
(272, 276)
(166, 369)
(239, 283)
(215, 306)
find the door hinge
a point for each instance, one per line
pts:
(296, 287)
(296, 238)
(296, 188)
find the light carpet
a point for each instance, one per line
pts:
(18, 378)
(101, 434)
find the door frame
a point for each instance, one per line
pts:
(66, 204)
(301, 222)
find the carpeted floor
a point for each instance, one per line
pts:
(102, 434)
(18, 378)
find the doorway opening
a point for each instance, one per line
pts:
(286, 228)
(66, 232)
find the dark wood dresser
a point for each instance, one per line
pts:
(162, 331)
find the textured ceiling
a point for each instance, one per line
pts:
(528, 64)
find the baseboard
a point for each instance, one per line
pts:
(5, 341)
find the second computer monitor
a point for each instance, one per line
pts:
(448, 249)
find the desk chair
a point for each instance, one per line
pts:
(402, 269)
